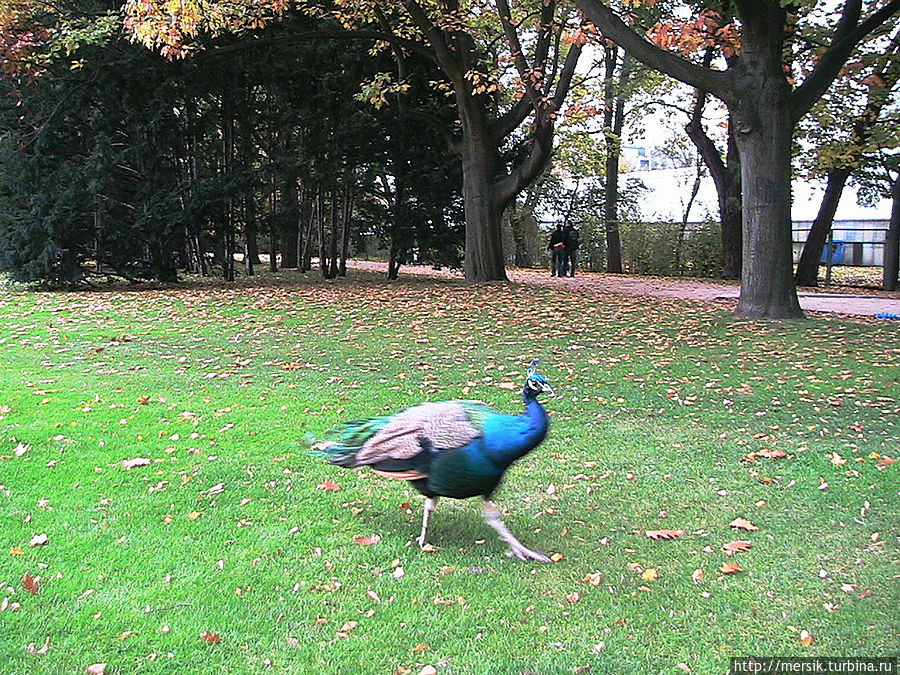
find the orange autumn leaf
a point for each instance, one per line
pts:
(743, 524)
(30, 583)
(806, 638)
(17, 551)
(730, 568)
(211, 638)
(740, 546)
(329, 486)
(664, 534)
(368, 540)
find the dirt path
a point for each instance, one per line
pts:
(849, 302)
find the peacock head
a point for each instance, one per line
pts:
(535, 383)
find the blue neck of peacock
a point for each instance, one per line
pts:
(513, 441)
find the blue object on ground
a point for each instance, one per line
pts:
(887, 315)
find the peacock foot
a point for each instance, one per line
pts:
(517, 550)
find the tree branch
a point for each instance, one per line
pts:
(848, 33)
(613, 28)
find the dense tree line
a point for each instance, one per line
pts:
(117, 162)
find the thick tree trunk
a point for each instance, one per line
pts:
(484, 259)
(764, 133)
(892, 240)
(808, 265)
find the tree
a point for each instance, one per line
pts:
(470, 44)
(843, 150)
(765, 107)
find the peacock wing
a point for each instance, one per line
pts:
(444, 425)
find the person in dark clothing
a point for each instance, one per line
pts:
(570, 253)
(557, 248)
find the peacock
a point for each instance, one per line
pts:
(457, 449)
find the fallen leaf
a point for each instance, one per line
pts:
(211, 638)
(346, 628)
(556, 557)
(730, 568)
(135, 462)
(419, 648)
(698, 575)
(664, 534)
(806, 638)
(17, 551)
(193, 515)
(429, 548)
(740, 546)
(368, 540)
(428, 670)
(96, 669)
(328, 486)
(650, 574)
(572, 598)
(594, 579)
(38, 540)
(743, 524)
(30, 583)
(43, 650)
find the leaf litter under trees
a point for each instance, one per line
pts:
(625, 456)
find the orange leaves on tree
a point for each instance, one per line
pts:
(170, 27)
(689, 37)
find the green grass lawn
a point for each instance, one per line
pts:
(662, 412)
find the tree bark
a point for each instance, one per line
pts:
(892, 240)
(764, 135)
(484, 241)
(614, 120)
(808, 266)
(727, 179)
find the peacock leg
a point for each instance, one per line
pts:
(516, 548)
(430, 506)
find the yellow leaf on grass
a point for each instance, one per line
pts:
(650, 574)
